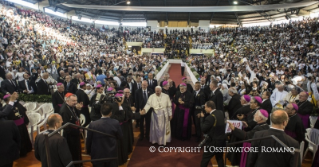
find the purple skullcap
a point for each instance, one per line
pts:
(247, 98)
(184, 78)
(109, 89)
(98, 86)
(258, 99)
(118, 95)
(6, 96)
(264, 112)
(165, 83)
(59, 84)
(183, 84)
(82, 83)
(295, 106)
(307, 93)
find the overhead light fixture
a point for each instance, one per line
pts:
(128, 2)
(235, 2)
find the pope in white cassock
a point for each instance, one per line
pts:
(160, 131)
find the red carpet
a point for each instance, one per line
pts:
(142, 156)
(176, 74)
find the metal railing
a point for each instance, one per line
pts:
(47, 150)
(295, 153)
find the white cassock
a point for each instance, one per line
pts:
(277, 97)
(160, 130)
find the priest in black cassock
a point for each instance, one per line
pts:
(294, 127)
(96, 102)
(243, 110)
(181, 122)
(58, 98)
(249, 122)
(170, 90)
(84, 99)
(70, 112)
(18, 115)
(128, 106)
(59, 150)
(189, 86)
(118, 113)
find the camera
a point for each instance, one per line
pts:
(204, 141)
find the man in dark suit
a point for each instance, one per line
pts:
(9, 85)
(76, 79)
(101, 146)
(141, 96)
(266, 105)
(204, 87)
(214, 126)
(10, 142)
(2, 71)
(216, 96)
(43, 86)
(132, 85)
(25, 85)
(69, 86)
(199, 101)
(189, 86)
(152, 83)
(58, 146)
(234, 103)
(279, 120)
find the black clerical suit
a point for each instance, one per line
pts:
(43, 87)
(214, 126)
(233, 105)
(9, 86)
(217, 97)
(96, 107)
(101, 146)
(152, 83)
(57, 101)
(10, 143)
(83, 97)
(59, 150)
(206, 91)
(72, 134)
(72, 88)
(197, 108)
(140, 103)
(266, 159)
(266, 105)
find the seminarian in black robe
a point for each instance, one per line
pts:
(72, 134)
(57, 100)
(181, 122)
(266, 159)
(59, 150)
(83, 97)
(129, 116)
(18, 115)
(295, 128)
(118, 113)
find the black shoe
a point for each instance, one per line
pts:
(140, 139)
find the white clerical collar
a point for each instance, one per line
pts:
(276, 128)
(212, 111)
